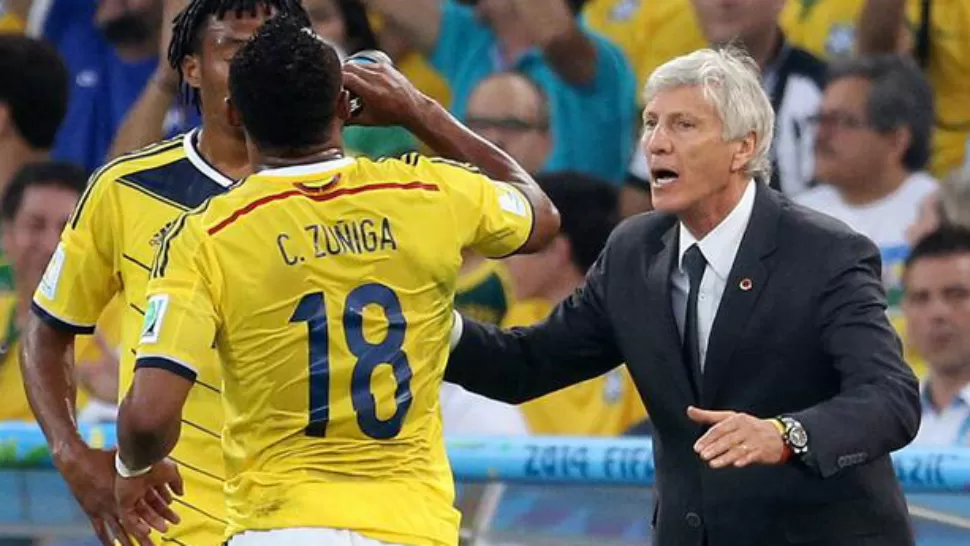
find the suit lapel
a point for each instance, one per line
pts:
(666, 336)
(748, 278)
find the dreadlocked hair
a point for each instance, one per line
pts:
(188, 25)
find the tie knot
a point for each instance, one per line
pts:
(694, 263)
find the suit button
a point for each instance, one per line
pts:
(693, 520)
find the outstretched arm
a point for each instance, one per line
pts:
(574, 344)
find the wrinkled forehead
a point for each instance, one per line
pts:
(686, 100)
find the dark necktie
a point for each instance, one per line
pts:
(694, 264)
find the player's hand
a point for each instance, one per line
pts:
(388, 97)
(143, 502)
(165, 76)
(737, 439)
(90, 474)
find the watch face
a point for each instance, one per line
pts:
(797, 436)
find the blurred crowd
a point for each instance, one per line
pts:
(873, 127)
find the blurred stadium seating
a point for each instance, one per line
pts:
(553, 491)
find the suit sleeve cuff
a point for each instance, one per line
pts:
(180, 369)
(456, 330)
(58, 323)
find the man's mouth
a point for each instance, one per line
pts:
(663, 177)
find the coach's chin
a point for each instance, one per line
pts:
(755, 331)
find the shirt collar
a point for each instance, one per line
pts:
(962, 396)
(720, 246)
(307, 169)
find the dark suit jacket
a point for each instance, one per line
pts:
(810, 338)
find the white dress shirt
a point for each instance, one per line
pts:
(947, 427)
(719, 248)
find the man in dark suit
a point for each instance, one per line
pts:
(731, 298)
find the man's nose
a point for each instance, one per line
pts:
(655, 141)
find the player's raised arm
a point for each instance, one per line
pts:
(390, 99)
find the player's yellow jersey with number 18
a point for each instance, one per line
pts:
(329, 290)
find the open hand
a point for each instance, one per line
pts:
(143, 502)
(737, 439)
(90, 474)
(388, 97)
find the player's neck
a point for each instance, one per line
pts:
(269, 159)
(226, 152)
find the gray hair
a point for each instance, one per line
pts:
(731, 82)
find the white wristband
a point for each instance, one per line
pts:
(126, 472)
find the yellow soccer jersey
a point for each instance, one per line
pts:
(328, 290)
(106, 250)
(827, 28)
(607, 405)
(650, 32)
(485, 292)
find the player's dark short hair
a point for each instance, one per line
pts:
(900, 96)
(589, 211)
(57, 174)
(188, 25)
(285, 82)
(945, 241)
(33, 84)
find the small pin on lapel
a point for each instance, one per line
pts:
(745, 284)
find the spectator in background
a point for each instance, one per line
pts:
(942, 48)
(510, 111)
(937, 308)
(872, 146)
(609, 404)
(34, 208)
(792, 77)
(33, 99)
(650, 32)
(111, 50)
(586, 79)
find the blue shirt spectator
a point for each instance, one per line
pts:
(592, 126)
(103, 85)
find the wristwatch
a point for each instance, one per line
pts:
(794, 435)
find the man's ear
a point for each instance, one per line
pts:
(744, 152)
(343, 105)
(233, 116)
(192, 71)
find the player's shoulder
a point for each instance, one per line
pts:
(414, 166)
(151, 157)
(172, 172)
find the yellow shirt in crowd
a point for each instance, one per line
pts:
(607, 405)
(13, 397)
(827, 28)
(650, 32)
